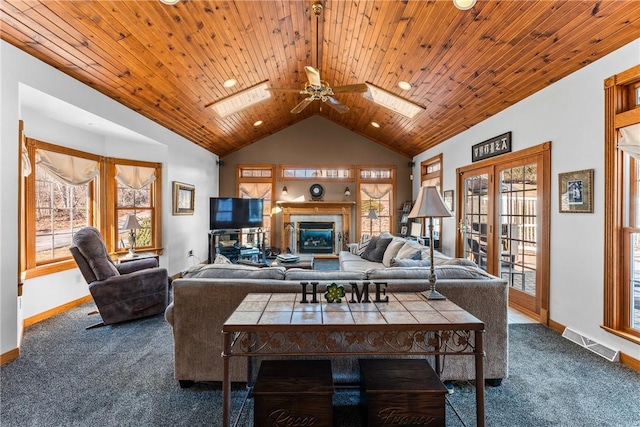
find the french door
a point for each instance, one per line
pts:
(504, 223)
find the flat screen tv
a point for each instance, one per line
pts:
(234, 213)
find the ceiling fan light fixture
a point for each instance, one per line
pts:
(230, 83)
(464, 4)
(404, 85)
(392, 102)
(241, 100)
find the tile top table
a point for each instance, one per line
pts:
(280, 324)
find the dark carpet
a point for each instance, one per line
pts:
(122, 375)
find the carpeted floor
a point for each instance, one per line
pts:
(122, 375)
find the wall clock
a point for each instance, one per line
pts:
(317, 191)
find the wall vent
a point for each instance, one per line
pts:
(602, 350)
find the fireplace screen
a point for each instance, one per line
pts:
(316, 237)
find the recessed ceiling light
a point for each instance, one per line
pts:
(404, 85)
(375, 124)
(258, 123)
(241, 100)
(464, 4)
(169, 2)
(230, 83)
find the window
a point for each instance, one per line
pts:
(257, 182)
(431, 175)
(376, 199)
(324, 173)
(622, 205)
(70, 189)
(136, 192)
(60, 193)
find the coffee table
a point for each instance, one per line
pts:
(304, 261)
(280, 324)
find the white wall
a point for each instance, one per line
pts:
(182, 161)
(570, 114)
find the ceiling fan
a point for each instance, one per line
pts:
(319, 90)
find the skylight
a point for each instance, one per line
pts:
(241, 100)
(392, 102)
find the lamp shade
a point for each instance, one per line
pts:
(429, 204)
(372, 214)
(131, 223)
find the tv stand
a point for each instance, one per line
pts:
(237, 244)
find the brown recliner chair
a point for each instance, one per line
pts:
(121, 292)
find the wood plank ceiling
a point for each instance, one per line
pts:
(169, 62)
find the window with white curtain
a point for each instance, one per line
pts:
(376, 199)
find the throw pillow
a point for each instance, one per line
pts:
(221, 259)
(362, 246)
(376, 248)
(410, 262)
(409, 248)
(392, 250)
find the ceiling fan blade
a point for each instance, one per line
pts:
(302, 105)
(357, 88)
(313, 76)
(337, 105)
(276, 89)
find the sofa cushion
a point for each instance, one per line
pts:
(392, 250)
(409, 248)
(234, 271)
(410, 262)
(302, 274)
(376, 248)
(455, 272)
(362, 246)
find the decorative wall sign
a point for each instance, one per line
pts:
(447, 195)
(491, 147)
(576, 191)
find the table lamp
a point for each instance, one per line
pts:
(430, 204)
(372, 215)
(132, 224)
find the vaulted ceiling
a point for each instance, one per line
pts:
(169, 62)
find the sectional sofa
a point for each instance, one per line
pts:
(206, 296)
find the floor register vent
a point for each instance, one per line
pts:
(606, 352)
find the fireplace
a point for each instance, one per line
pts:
(316, 237)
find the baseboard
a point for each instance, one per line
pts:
(624, 358)
(9, 356)
(54, 311)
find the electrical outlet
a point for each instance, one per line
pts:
(190, 252)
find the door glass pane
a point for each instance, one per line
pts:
(635, 281)
(475, 217)
(518, 222)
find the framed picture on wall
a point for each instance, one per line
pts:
(406, 208)
(576, 191)
(183, 198)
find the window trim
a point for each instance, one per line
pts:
(282, 169)
(260, 180)
(620, 111)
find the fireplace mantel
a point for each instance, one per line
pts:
(315, 208)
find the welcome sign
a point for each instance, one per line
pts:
(491, 147)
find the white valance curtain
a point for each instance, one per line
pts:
(376, 191)
(67, 169)
(26, 163)
(135, 177)
(629, 141)
(255, 191)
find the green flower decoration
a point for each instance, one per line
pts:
(334, 293)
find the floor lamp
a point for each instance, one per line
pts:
(372, 215)
(429, 204)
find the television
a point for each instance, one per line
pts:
(234, 213)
